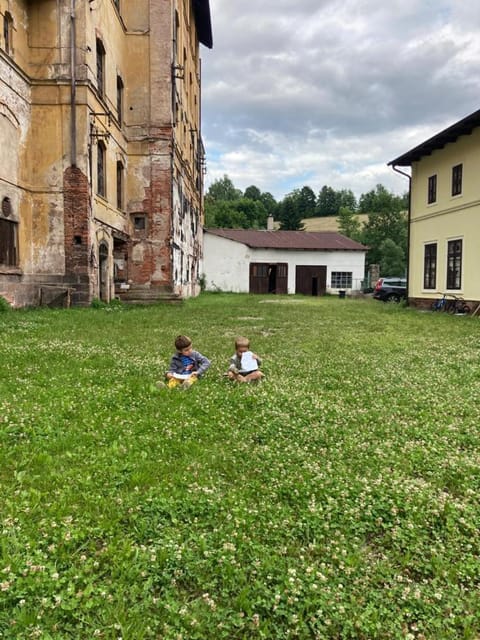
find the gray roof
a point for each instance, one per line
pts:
(451, 134)
(303, 240)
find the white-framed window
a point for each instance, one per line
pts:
(454, 263)
(341, 280)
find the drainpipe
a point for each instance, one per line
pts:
(73, 87)
(397, 170)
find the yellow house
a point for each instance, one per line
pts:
(101, 154)
(444, 226)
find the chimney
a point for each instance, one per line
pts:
(270, 223)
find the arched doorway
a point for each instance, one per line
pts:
(103, 279)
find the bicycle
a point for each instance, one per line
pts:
(440, 304)
(458, 306)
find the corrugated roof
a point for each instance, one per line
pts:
(304, 240)
(451, 134)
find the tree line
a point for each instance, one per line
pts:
(384, 232)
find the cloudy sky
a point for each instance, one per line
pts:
(321, 92)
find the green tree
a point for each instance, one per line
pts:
(380, 200)
(253, 193)
(381, 226)
(222, 189)
(289, 215)
(269, 202)
(306, 202)
(349, 224)
(328, 202)
(392, 258)
(347, 199)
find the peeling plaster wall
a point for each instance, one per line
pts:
(62, 220)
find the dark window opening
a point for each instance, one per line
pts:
(120, 185)
(101, 182)
(457, 171)
(77, 239)
(8, 243)
(430, 266)
(139, 223)
(454, 264)
(100, 67)
(119, 99)
(7, 31)
(432, 189)
(6, 207)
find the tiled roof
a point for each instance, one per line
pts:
(451, 134)
(303, 240)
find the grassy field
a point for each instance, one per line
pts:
(338, 499)
(328, 223)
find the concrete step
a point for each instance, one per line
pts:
(140, 295)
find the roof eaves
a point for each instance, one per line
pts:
(438, 141)
(203, 22)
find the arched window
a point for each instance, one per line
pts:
(8, 236)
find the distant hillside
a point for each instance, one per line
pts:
(327, 223)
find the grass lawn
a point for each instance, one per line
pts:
(338, 499)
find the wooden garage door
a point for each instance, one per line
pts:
(311, 280)
(268, 277)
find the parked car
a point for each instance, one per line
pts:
(390, 289)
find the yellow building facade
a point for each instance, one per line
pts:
(444, 227)
(101, 154)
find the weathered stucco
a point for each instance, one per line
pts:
(75, 243)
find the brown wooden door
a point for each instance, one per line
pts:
(311, 280)
(268, 277)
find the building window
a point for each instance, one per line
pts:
(341, 280)
(120, 185)
(432, 189)
(430, 266)
(101, 178)
(140, 222)
(8, 243)
(457, 171)
(454, 264)
(100, 67)
(8, 32)
(119, 99)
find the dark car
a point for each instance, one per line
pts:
(390, 289)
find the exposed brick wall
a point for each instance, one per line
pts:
(425, 304)
(155, 268)
(77, 233)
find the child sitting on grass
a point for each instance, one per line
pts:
(186, 365)
(244, 365)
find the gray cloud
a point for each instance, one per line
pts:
(328, 92)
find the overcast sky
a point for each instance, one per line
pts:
(318, 92)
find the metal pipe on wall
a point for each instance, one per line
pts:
(73, 86)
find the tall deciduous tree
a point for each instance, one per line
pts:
(222, 189)
(349, 224)
(328, 202)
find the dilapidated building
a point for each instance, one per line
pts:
(101, 154)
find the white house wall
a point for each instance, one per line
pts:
(226, 263)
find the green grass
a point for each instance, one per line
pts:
(337, 499)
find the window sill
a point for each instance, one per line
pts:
(5, 270)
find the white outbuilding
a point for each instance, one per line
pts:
(264, 261)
